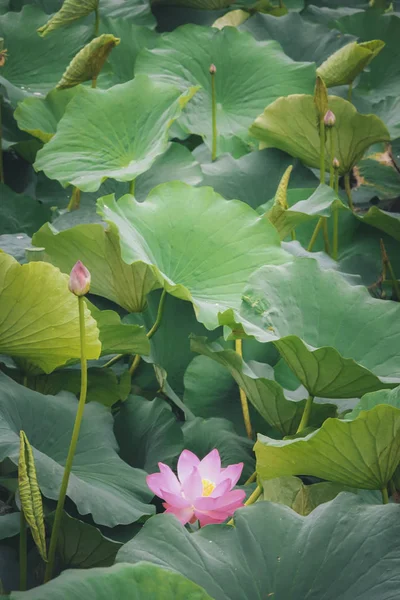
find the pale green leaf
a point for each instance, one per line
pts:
(345, 64)
(71, 11)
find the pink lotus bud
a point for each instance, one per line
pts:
(202, 490)
(79, 280)
(335, 163)
(213, 69)
(329, 119)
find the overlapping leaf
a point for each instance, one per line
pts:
(71, 10)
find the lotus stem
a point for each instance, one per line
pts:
(385, 495)
(96, 21)
(213, 71)
(326, 235)
(72, 447)
(113, 360)
(331, 157)
(1, 149)
(94, 82)
(151, 332)
(251, 479)
(314, 235)
(75, 201)
(243, 398)
(337, 182)
(322, 151)
(293, 235)
(388, 265)
(347, 187)
(23, 556)
(335, 233)
(306, 414)
(254, 496)
(132, 187)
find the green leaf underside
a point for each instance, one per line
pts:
(184, 56)
(185, 235)
(99, 477)
(343, 66)
(273, 402)
(97, 137)
(362, 453)
(290, 124)
(142, 582)
(330, 332)
(71, 10)
(272, 550)
(369, 401)
(39, 319)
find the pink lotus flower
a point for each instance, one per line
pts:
(79, 279)
(202, 489)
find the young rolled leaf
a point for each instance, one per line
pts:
(71, 10)
(362, 453)
(30, 496)
(290, 124)
(321, 97)
(343, 66)
(88, 63)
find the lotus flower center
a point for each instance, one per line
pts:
(208, 487)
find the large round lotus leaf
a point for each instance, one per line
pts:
(332, 334)
(362, 453)
(200, 247)
(281, 408)
(35, 65)
(274, 552)
(20, 214)
(139, 582)
(99, 138)
(99, 250)
(39, 319)
(40, 116)
(300, 39)
(250, 75)
(290, 124)
(101, 483)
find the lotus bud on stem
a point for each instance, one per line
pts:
(329, 119)
(336, 165)
(79, 284)
(213, 70)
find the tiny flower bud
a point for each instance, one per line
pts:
(79, 280)
(335, 163)
(329, 119)
(213, 69)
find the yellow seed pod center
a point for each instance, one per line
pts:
(208, 487)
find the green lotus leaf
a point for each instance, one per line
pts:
(335, 350)
(10, 525)
(91, 144)
(362, 453)
(142, 582)
(184, 56)
(198, 260)
(343, 66)
(101, 483)
(40, 116)
(89, 61)
(39, 316)
(273, 550)
(281, 408)
(388, 222)
(300, 39)
(290, 125)
(292, 492)
(233, 18)
(35, 65)
(147, 433)
(201, 4)
(100, 251)
(19, 213)
(369, 401)
(71, 10)
(377, 176)
(134, 11)
(82, 546)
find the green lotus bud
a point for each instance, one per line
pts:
(329, 119)
(213, 69)
(79, 280)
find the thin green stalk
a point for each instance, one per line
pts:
(388, 265)
(251, 479)
(315, 234)
(113, 360)
(347, 187)
(335, 234)
(337, 182)
(326, 235)
(349, 91)
(293, 235)
(75, 201)
(385, 495)
(306, 414)
(23, 554)
(254, 496)
(132, 187)
(322, 151)
(72, 447)
(243, 397)
(1, 149)
(97, 21)
(214, 118)
(94, 82)
(151, 332)
(331, 156)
